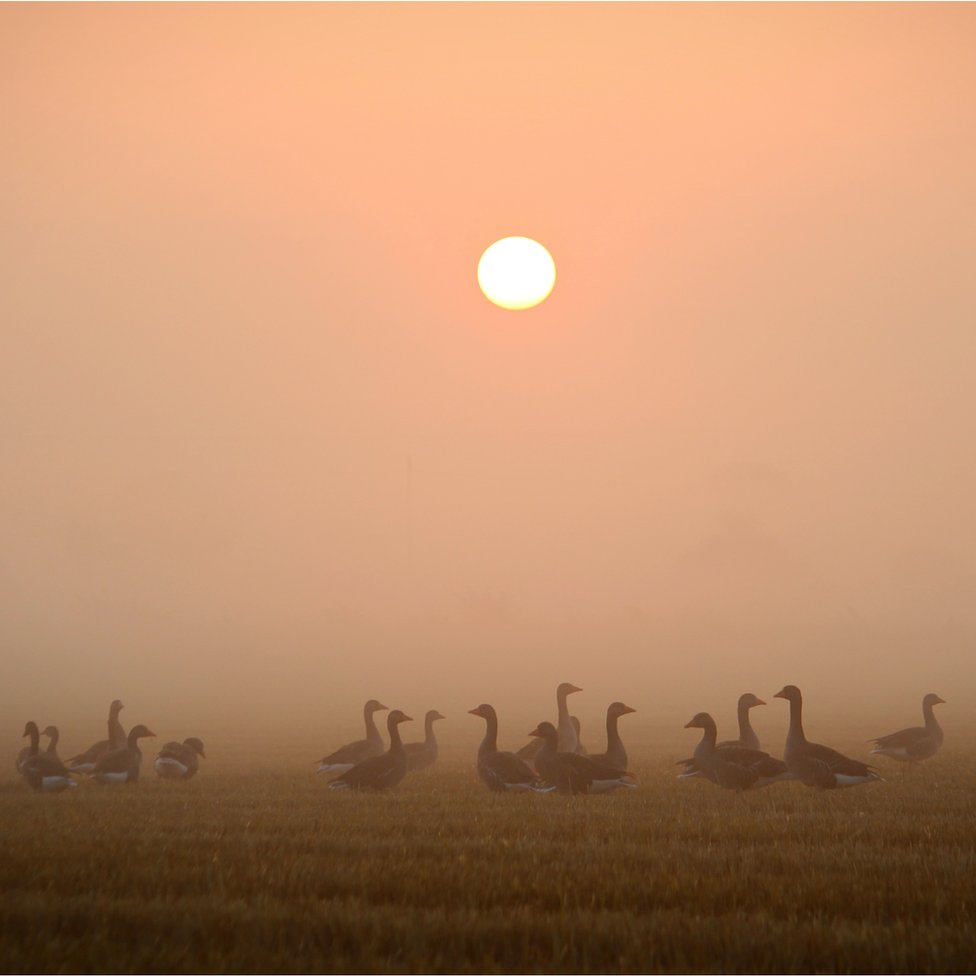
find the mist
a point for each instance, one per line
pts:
(269, 453)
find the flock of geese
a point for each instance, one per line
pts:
(559, 761)
(114, 760)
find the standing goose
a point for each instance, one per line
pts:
(568, 735)
(379, 772)
(747, 735)
(42, 771)
(85, 761)
(178, 760)
(122, 765)
(502, 772)
(616, 754)
(913, 745)
(733, 767)
(422, 754)
(813, 764)
(344, 758)
(570, 772)
(52, 748)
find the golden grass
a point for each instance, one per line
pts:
(274, 873)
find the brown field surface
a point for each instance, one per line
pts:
(265, 870)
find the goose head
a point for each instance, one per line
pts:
(701, 721)
(433, 716)
(566, 689)
(196, 745)
(749, 700)
(374, 706)
(395, 718)
(482, 711)
(619, 708)
(141, 732)
(115, 707)
(790, 692)
(51, 731)
(931, 700)
(30, 729)
(546, 731)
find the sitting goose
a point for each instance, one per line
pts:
(502, 772)
(422, 754)
(747, 735)
(378, 772)
(85, 761)
(915, 744)
(41, 770)
(733, 767)
(570, 772)
(813, 764)
(616, 754)
(178, 760)
(52, 748)
(347, 756)
(122, 765)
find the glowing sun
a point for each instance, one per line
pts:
(516, 272)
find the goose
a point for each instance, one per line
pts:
(178, 760)
(52, 748)
(570, 772)
(747, 735)
(344, 758)
(42, 771)
(568, 736)
(616, 754)
(122, 765)
(422, 754)
(580, 748)
(813, 764)
(502, 772)
(379, 772)
(85, 761)
(913, 745)
(733, 767)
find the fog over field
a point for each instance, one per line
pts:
(268, 452)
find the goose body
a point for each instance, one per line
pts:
(813, 764)
(347, 756)
(502, 772)
(179, 760)
(379, 772)
(85, 761)
(570, 772)
(747, 735)
(733, 767)
(616, 754)
(422, 754)
(122, 765)
(915, 744)
(42, 771)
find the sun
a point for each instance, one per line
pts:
(516, 273)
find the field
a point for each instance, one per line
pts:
(264, 871)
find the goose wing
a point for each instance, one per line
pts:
(903, 739)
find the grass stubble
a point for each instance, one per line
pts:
(271, 872)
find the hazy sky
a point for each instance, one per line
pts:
(261, 431)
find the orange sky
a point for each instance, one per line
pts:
(254, 409)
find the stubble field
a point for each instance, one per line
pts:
(240, 871)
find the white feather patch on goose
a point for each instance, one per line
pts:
(335, 768)
(112, 778)
(167, 766)
(55, 784)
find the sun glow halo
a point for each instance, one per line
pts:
(516, 273)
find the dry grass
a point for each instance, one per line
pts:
(273, 873)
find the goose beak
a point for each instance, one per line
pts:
(150, 735)
(203, 755)
(628, 710)
(535, 732)
(406, 718)
(940, 701)
(690, 724)
(474, 711)
(759, 701)
(779, 694)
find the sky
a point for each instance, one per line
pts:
(268, 450)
